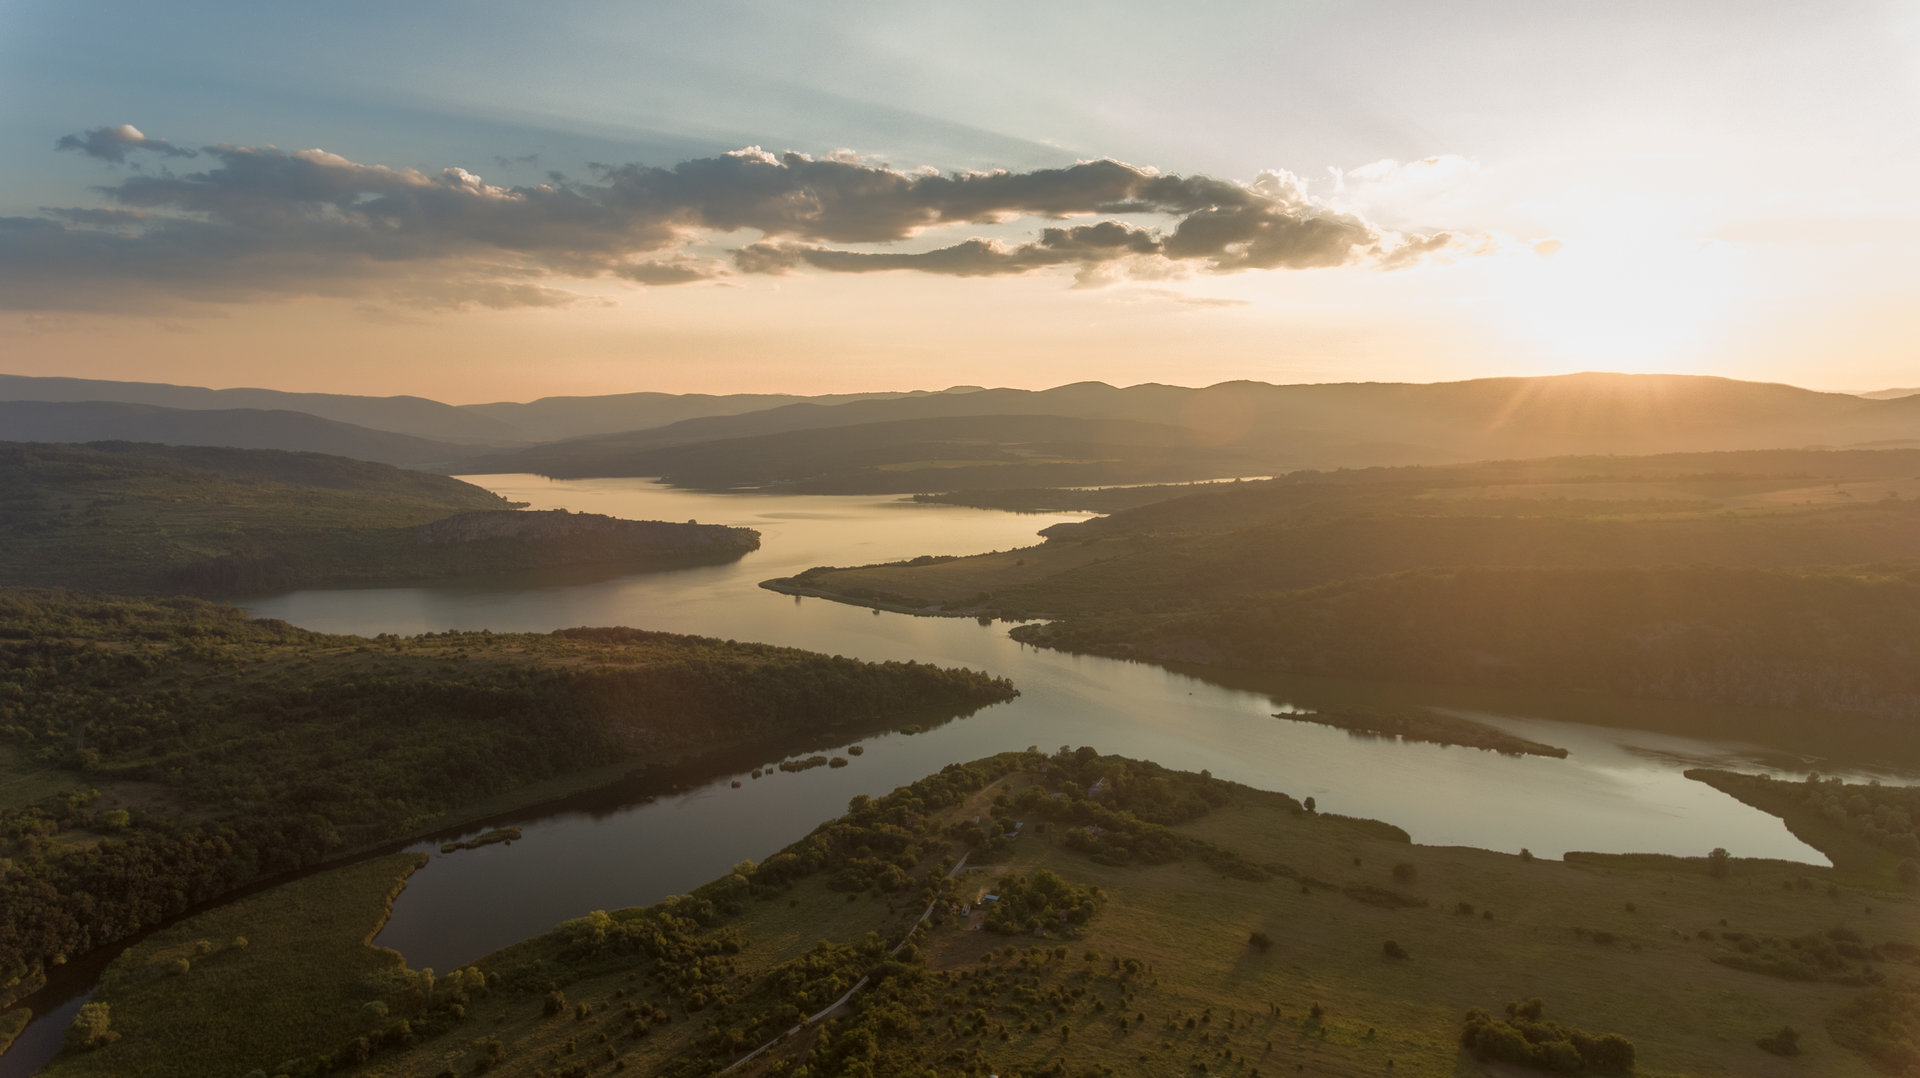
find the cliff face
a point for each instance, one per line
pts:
(559, 524)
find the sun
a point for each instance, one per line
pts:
(1623, 302)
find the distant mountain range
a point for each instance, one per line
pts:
(916, 443)
(544, 420)
(1086, 433)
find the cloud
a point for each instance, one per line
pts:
(260, 221)
(115, 143)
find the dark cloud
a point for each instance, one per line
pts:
(115, 143)
(262, 221)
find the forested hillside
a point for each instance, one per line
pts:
(160, 753)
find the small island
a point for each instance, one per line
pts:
(487, 838)
(1428, 726)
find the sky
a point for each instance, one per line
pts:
(480, 201)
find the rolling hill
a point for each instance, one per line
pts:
(1272, 429)
(240, 428)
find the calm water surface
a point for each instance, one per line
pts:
(1620, 789)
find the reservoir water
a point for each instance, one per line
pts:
(1620, 788)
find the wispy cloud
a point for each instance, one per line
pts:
(116, 143)
(264, 221)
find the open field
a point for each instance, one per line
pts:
(288, 965)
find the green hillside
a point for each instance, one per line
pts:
(154, 754)
(1776, 579)
(152, 519)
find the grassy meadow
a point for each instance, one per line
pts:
(288, 965)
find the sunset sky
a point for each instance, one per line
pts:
(480, 201)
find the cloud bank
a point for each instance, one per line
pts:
(261, 221)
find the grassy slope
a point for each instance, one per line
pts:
(1637, 577)
(1656, 981)
(306, 970)
(131, 518)
(11, 1025)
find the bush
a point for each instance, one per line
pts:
(1261, 942)
(1784, 1043)
(556, 1003)
(1719, 863)
(1405, 873)
(1528, 1038)
(1393, 950)
(89, 1028)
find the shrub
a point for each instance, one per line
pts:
(1393, 950)
(1261, 942)
(1528, 1038)
(180, 967)
(89, 1028)
(1784, 1043)
(556, 1002)
(1719, 863)
(1405, 873)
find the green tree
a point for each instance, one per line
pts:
(90, 1026)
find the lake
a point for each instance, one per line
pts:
(1619, 789)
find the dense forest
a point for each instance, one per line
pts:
(149, 519)
(1782, 579)
(160, 753)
